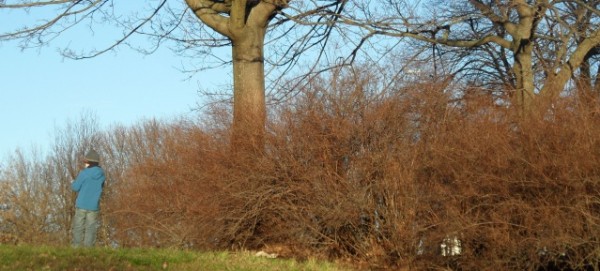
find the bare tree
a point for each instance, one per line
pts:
(198, 26)
(28, 196)
(542, 43)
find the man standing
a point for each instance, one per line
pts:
(88, 185)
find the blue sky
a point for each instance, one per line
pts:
(40, 90)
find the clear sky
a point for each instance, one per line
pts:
(39, 91)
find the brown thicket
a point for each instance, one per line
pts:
(386, 178)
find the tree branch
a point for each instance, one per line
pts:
(38, 4)
(125, 37)
(208, 12)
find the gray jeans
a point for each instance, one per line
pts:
(85, 226)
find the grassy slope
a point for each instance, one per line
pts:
(62, 258)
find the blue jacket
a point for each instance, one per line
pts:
(89, 184)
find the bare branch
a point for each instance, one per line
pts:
(125, 37)
(38, 4)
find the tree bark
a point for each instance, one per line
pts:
(246, 26)
(524, 74)
(556, 82)
(249, 110)
(522, 47)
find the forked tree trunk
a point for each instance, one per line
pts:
(245, 25)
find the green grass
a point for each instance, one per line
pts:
(66, 258)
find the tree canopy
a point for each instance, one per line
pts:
(534, 49)
(522, 51)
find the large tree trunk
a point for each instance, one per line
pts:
(245, 25)
(249, 112)
(523, 71)
(522, 46)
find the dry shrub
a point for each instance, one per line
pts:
(389, 179)
(32, 202)
(520, 193)
(380, 177)
(168, 197)
(36, 200)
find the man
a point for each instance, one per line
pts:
(88, 185)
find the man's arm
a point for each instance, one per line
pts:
(76, 185)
